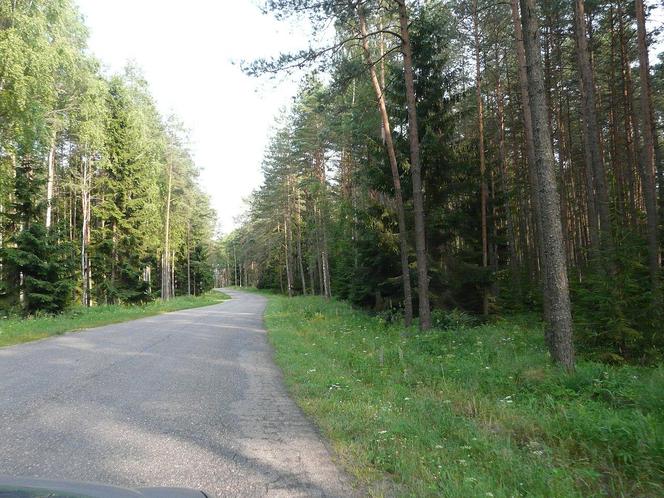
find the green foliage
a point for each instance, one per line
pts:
(616, 305)
(454, 319)
(616, 318)
(38, 263)
(470, 411)
(390, 316)
(46, 268)
(103, 149)
(194, 274)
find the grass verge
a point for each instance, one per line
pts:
(470, 412)
(18, 330)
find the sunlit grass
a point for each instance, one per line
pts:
(18, 330)
(468, 412)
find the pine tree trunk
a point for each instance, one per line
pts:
(594, 159)
(85, 229)
(319, 167)
(648, 154)
(189, 260)
(530, 149)
(416, 172)
(629, 119)
(172, 278)
(559, 319)
(483, 182)
(50, 183)
(502, 160)
(312, 271)
(617, 166)
(299, 244)
(289, 276)
(166, 273)
(235, 282)
(396, 179)
(114, 257)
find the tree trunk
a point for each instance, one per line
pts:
(502, 160)
(416, 172)
(648, 153)
(189, 261)
(559, 319)
(172, 279)
(289, 275)
(530, 149)
(594, 159)
(483, 182)
(628, 110)
(85, 229)
(299, 244)
(396, 179)
(114, 257)
(166, 273)
(322, 224)
(234, 266)
(50, 183)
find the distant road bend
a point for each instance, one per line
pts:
(190, 399)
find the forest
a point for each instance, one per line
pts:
(452, 268)
(469, 158)
(99, 196)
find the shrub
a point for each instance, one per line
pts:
(453, 319)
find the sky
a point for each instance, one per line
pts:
(189, 53)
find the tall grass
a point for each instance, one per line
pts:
(469, 411)
(17, 330)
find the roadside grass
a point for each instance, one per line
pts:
(468, 412)
(18, 330)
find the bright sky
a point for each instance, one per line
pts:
(187, 51)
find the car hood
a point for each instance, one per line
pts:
(25, 487)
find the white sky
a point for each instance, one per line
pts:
(186, 51)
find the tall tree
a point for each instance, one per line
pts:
(394, 167)
(483, 181)
(598, 193)
(648, 167)
(416, 171)
(559, 315)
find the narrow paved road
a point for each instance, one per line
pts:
(190, 398)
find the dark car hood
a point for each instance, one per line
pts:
(25, 487)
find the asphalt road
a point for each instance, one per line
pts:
(189, 399)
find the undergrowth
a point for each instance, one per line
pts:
(472, 410)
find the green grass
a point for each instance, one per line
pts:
(18, 330)
(471, 412)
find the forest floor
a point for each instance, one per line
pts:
(15, 330)
(468, 412)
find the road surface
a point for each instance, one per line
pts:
(190, 399)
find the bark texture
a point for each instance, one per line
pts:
(483, 183)
(416, 170)
(598, 192)
(648, 153)
(558, 315)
